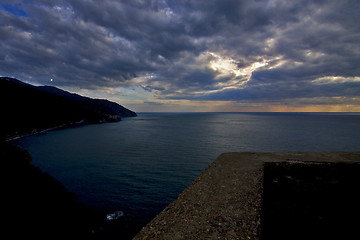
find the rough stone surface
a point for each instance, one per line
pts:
(225, 201)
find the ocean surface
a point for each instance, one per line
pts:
(140, 165)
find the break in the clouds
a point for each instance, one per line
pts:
(178, 54)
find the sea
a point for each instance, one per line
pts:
(137, 166)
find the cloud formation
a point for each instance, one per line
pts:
(219, 50)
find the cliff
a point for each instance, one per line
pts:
(34, 204)
(27, 109)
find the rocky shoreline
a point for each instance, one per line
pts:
(62, 126)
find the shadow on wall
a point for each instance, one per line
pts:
(311, 201)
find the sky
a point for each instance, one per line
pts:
(189, 55)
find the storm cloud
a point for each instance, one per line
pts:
(220, 50)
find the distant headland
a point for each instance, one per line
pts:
(28, 109)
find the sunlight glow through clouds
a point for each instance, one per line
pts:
(228, 67)
(225, 66)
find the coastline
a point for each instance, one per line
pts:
(34, 133)
(62, 126)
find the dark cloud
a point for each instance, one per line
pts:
(204, 50)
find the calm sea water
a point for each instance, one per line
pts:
(140, 165)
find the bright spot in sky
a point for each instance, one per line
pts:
(51, 79)
(225, 66)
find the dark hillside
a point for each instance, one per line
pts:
(35, 205)
(27, 109)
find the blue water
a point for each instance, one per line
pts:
(140, 165)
